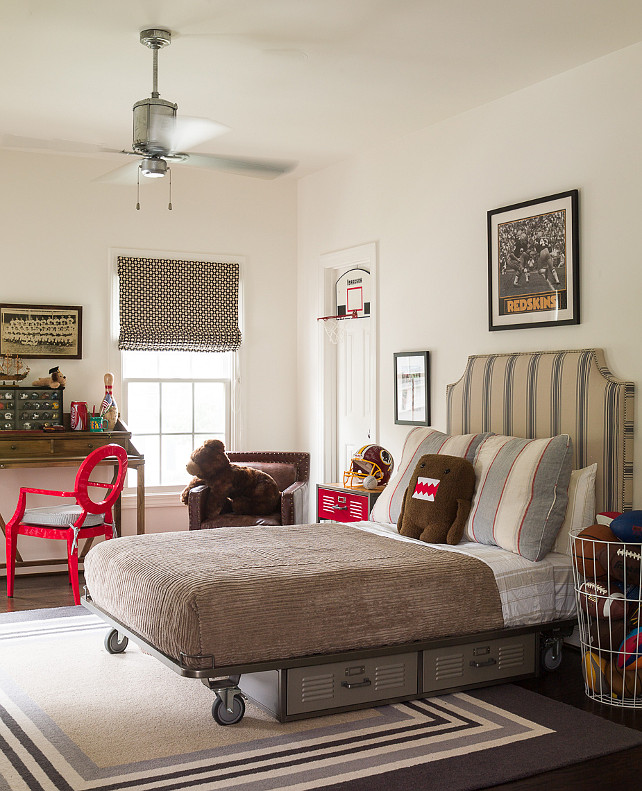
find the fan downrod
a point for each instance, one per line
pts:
(155, 38)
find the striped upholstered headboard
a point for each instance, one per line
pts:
(541, 394)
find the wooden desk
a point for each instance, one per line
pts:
(20, 449)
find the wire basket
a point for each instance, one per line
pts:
(608, 580)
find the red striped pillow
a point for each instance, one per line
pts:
(521, 494)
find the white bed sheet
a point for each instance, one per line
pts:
(530, 592)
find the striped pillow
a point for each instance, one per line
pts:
(522, 493)
(580, 511)
(420, 440)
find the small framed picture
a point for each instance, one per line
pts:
(41, 331)
(533, 263)
(412, 388)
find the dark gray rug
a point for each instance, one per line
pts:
(73, 717)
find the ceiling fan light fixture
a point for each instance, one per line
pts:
(153, 168)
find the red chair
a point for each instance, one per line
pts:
(83, 519)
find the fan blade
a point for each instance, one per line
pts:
(59, 146)
(170, 133)
(258, 168)
(126, 174)
(190, 132)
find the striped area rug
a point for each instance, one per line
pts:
(74, 718)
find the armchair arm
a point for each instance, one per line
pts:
(294, 504)
(47, 491)
(22, 501)
(196, 503)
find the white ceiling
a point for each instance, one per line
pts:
(312, 80)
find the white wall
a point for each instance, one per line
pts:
(424, 199)
(57, 228)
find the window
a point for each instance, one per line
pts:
(174, 401)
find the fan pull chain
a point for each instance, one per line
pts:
(169, 205)
(138, 189)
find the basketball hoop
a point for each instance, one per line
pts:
(333, 326)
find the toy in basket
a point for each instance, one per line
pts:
(607, 564)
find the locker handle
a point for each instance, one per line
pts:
(487, 663)
(350, 685)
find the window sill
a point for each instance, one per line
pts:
(154, 499)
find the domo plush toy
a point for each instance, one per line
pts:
(242, 490)
(438, 498)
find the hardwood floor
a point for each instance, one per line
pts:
(620, 770)
(39, 591)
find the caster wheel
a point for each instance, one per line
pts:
(113, 645)
(551, 657)
(225, 717)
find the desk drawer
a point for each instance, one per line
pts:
(19, 448)
(85, 443)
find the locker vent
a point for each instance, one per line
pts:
(356, 509)
(388, 676)
(320, 687)
(451, 666)
(511, 655)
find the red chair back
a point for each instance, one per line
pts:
(84, 473)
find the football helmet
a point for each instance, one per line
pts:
(369, 460)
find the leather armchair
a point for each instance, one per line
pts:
(290, 470)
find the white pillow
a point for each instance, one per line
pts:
(521, 494)
(580, 512)
(420, 440)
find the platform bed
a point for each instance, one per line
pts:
(319, 684)
(360, 653)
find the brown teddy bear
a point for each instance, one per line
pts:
(437, 501)
(242, 490)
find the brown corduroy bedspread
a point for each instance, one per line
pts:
(244, 594)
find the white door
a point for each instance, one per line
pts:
(355, 418)
(348, 374)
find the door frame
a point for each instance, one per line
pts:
(332, 266)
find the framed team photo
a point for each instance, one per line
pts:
(533, 263)
(41, 331)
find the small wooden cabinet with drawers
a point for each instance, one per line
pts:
(339, 504)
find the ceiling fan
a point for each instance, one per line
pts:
(161, 138)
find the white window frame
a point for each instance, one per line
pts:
(227, 384)
(161, 495)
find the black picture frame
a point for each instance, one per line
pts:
(412, 388)
(41, 332)
(534, 263)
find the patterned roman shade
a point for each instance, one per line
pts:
(174, 305)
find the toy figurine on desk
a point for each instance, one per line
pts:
(109, 407)
(55, 379)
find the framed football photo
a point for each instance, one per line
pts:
(533, 263)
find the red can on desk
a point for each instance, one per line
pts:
(79, 416)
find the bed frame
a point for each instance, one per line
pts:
(534, 394)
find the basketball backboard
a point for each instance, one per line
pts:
(353, 293)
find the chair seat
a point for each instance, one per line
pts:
(60, 516)
(241, 520)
